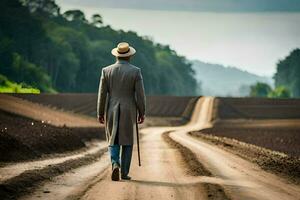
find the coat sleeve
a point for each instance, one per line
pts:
(140, 94)
(102, 93)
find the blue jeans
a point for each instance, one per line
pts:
(126, 154)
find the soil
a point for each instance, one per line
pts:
(275, 162)
(163, 121)
(264, 131)
(23, 138)
(195, 168)
(26, 182)
(49, 115)
(157, 106)
(286, 140)
(213, 163)
(162, 175)
(256, 108)
(82, 103)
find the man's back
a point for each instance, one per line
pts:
(123, 84)
(121, 78)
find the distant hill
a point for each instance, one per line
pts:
(218, 80)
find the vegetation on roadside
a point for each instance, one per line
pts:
(50, 50)
(7, 86)
(287, 79)
(280, 92)
(265, 90)
(288, 73)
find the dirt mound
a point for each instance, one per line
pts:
(256, 108)
(38, 112)
(170, 106)
(159, 106)
(78, 103)
(269, 123)
(23, 138)
(12, 149)
(286, 140)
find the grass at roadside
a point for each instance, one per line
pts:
(7, 86)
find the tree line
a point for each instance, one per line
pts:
(65, 52)
(287, 79)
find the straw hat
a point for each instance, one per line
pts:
(123, 50)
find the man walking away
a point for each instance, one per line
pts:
(121, 104)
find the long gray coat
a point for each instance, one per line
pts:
(121, 95)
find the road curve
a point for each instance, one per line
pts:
(163, 176)
(240, 178)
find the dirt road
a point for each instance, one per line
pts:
(163, 174)
(163, 177)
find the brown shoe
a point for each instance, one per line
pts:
(115, 175)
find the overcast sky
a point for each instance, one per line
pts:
(195, 5)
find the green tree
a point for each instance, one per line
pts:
(97, 20)
(7, 86)
(48, 7)
(30, 73)
(288, 73)
(75, 15)
(260, 90)
(21, 39)
(280, 92)
(46, 49)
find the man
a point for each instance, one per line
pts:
(121, 104)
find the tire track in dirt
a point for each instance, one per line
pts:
(195, 168)
(27, 181)
(276, 162)
(241, 179)
(161, 176)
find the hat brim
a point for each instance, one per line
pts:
(115, 52)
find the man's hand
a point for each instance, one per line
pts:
(101, 119)
(141, 119)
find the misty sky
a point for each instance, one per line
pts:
(252, 41)
(195, 5)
